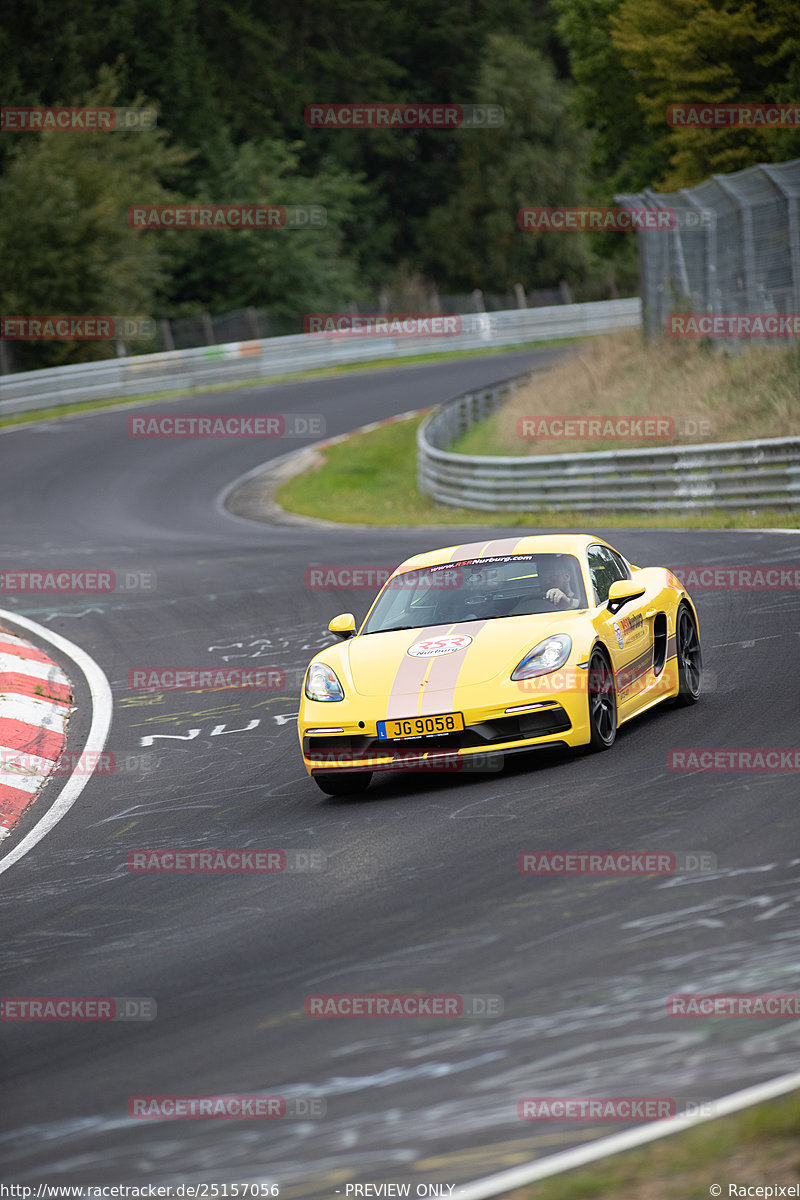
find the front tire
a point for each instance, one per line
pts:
(689, 658)
(602, 703)
(343, 783)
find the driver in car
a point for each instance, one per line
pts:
(557, 586)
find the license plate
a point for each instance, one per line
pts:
(414, 727)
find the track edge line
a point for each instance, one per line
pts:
(566, 1160)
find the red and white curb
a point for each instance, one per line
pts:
(36, 701)
(35, 707)
(342, 437)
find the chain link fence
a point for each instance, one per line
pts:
(735, 248)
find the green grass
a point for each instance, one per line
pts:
(383, 364)
(757, 1146)
(370, 478)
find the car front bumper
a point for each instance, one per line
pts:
(513, 717)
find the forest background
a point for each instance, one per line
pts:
(412, 213)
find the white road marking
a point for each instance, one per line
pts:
(566, 1160)
(102, 712)
(149, 738)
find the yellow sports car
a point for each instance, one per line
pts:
(478, 651)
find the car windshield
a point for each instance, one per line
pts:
(478, 589)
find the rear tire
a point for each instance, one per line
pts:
(689, 657)
(343, 783)
(602, 695)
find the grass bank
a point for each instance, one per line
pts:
(757, 1147)
(708, 396)
(371, 478)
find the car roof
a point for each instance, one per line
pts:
(546, 543)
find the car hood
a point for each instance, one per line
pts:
(471, 652)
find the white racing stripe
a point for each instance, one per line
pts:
(102, 712)
(555, 1164)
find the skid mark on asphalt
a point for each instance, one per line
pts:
(242, 703)
(147, 602)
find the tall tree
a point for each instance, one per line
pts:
(624, 155)
(292, 271)
(534, 158)
(65, 244)
(714, 51)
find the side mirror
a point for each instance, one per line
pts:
(622, 591)
(343, 626)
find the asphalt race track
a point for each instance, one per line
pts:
(421, 891)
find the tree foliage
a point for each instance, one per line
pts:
(584, 83)
(65, 243)
(534, 158)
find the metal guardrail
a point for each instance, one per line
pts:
(237, 362)
(757, 474)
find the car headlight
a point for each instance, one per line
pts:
(322, 684)
(548, 656)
